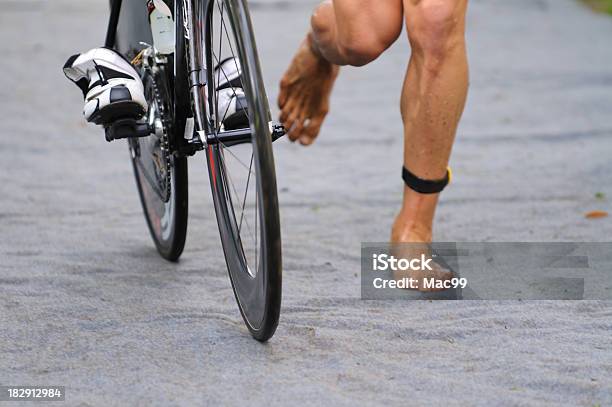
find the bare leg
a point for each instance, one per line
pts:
(304, 93)
(355, 32)
(433, 98)
(343, 32)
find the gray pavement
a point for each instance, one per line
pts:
(86, 303)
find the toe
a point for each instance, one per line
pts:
(295, 134)
(296, 127)
(306, 141)
(286, 112)
(286, 87)
(282, 96)
(438, 274)
(311, 132)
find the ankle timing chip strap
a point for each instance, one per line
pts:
(423, 186)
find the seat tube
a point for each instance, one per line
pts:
(195, 11)
(111, 32)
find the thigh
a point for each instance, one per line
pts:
(356, 19)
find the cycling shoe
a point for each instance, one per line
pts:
(111, 86)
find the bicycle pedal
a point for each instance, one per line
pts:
(277, 130)
(127, 128)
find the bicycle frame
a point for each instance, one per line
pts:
(188, 84)
(199, 75)
(111, 32)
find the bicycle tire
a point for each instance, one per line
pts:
(258, 295)
(166, 219)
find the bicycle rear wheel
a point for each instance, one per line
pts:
(242, 175)
(161, 177)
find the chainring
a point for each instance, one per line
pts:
(156, 147)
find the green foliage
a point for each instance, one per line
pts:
(604, 6)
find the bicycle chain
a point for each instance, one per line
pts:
(163, 141)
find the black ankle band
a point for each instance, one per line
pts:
(423, 186)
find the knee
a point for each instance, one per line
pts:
(360, 50)
(322, 20)
(358, 44)
(436, 28)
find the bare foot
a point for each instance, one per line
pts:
(406, 231)
(304, 93)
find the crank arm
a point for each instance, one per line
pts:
(241, 136)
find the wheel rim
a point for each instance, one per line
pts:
(146, 155)
(236, 178)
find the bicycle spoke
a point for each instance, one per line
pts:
(230, 45)
(245, 195)
(231, 182)
(236, 189)
(244, 219)
(225, 147)
(223, 28)
(233, 91)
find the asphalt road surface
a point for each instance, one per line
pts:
(86, 303)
